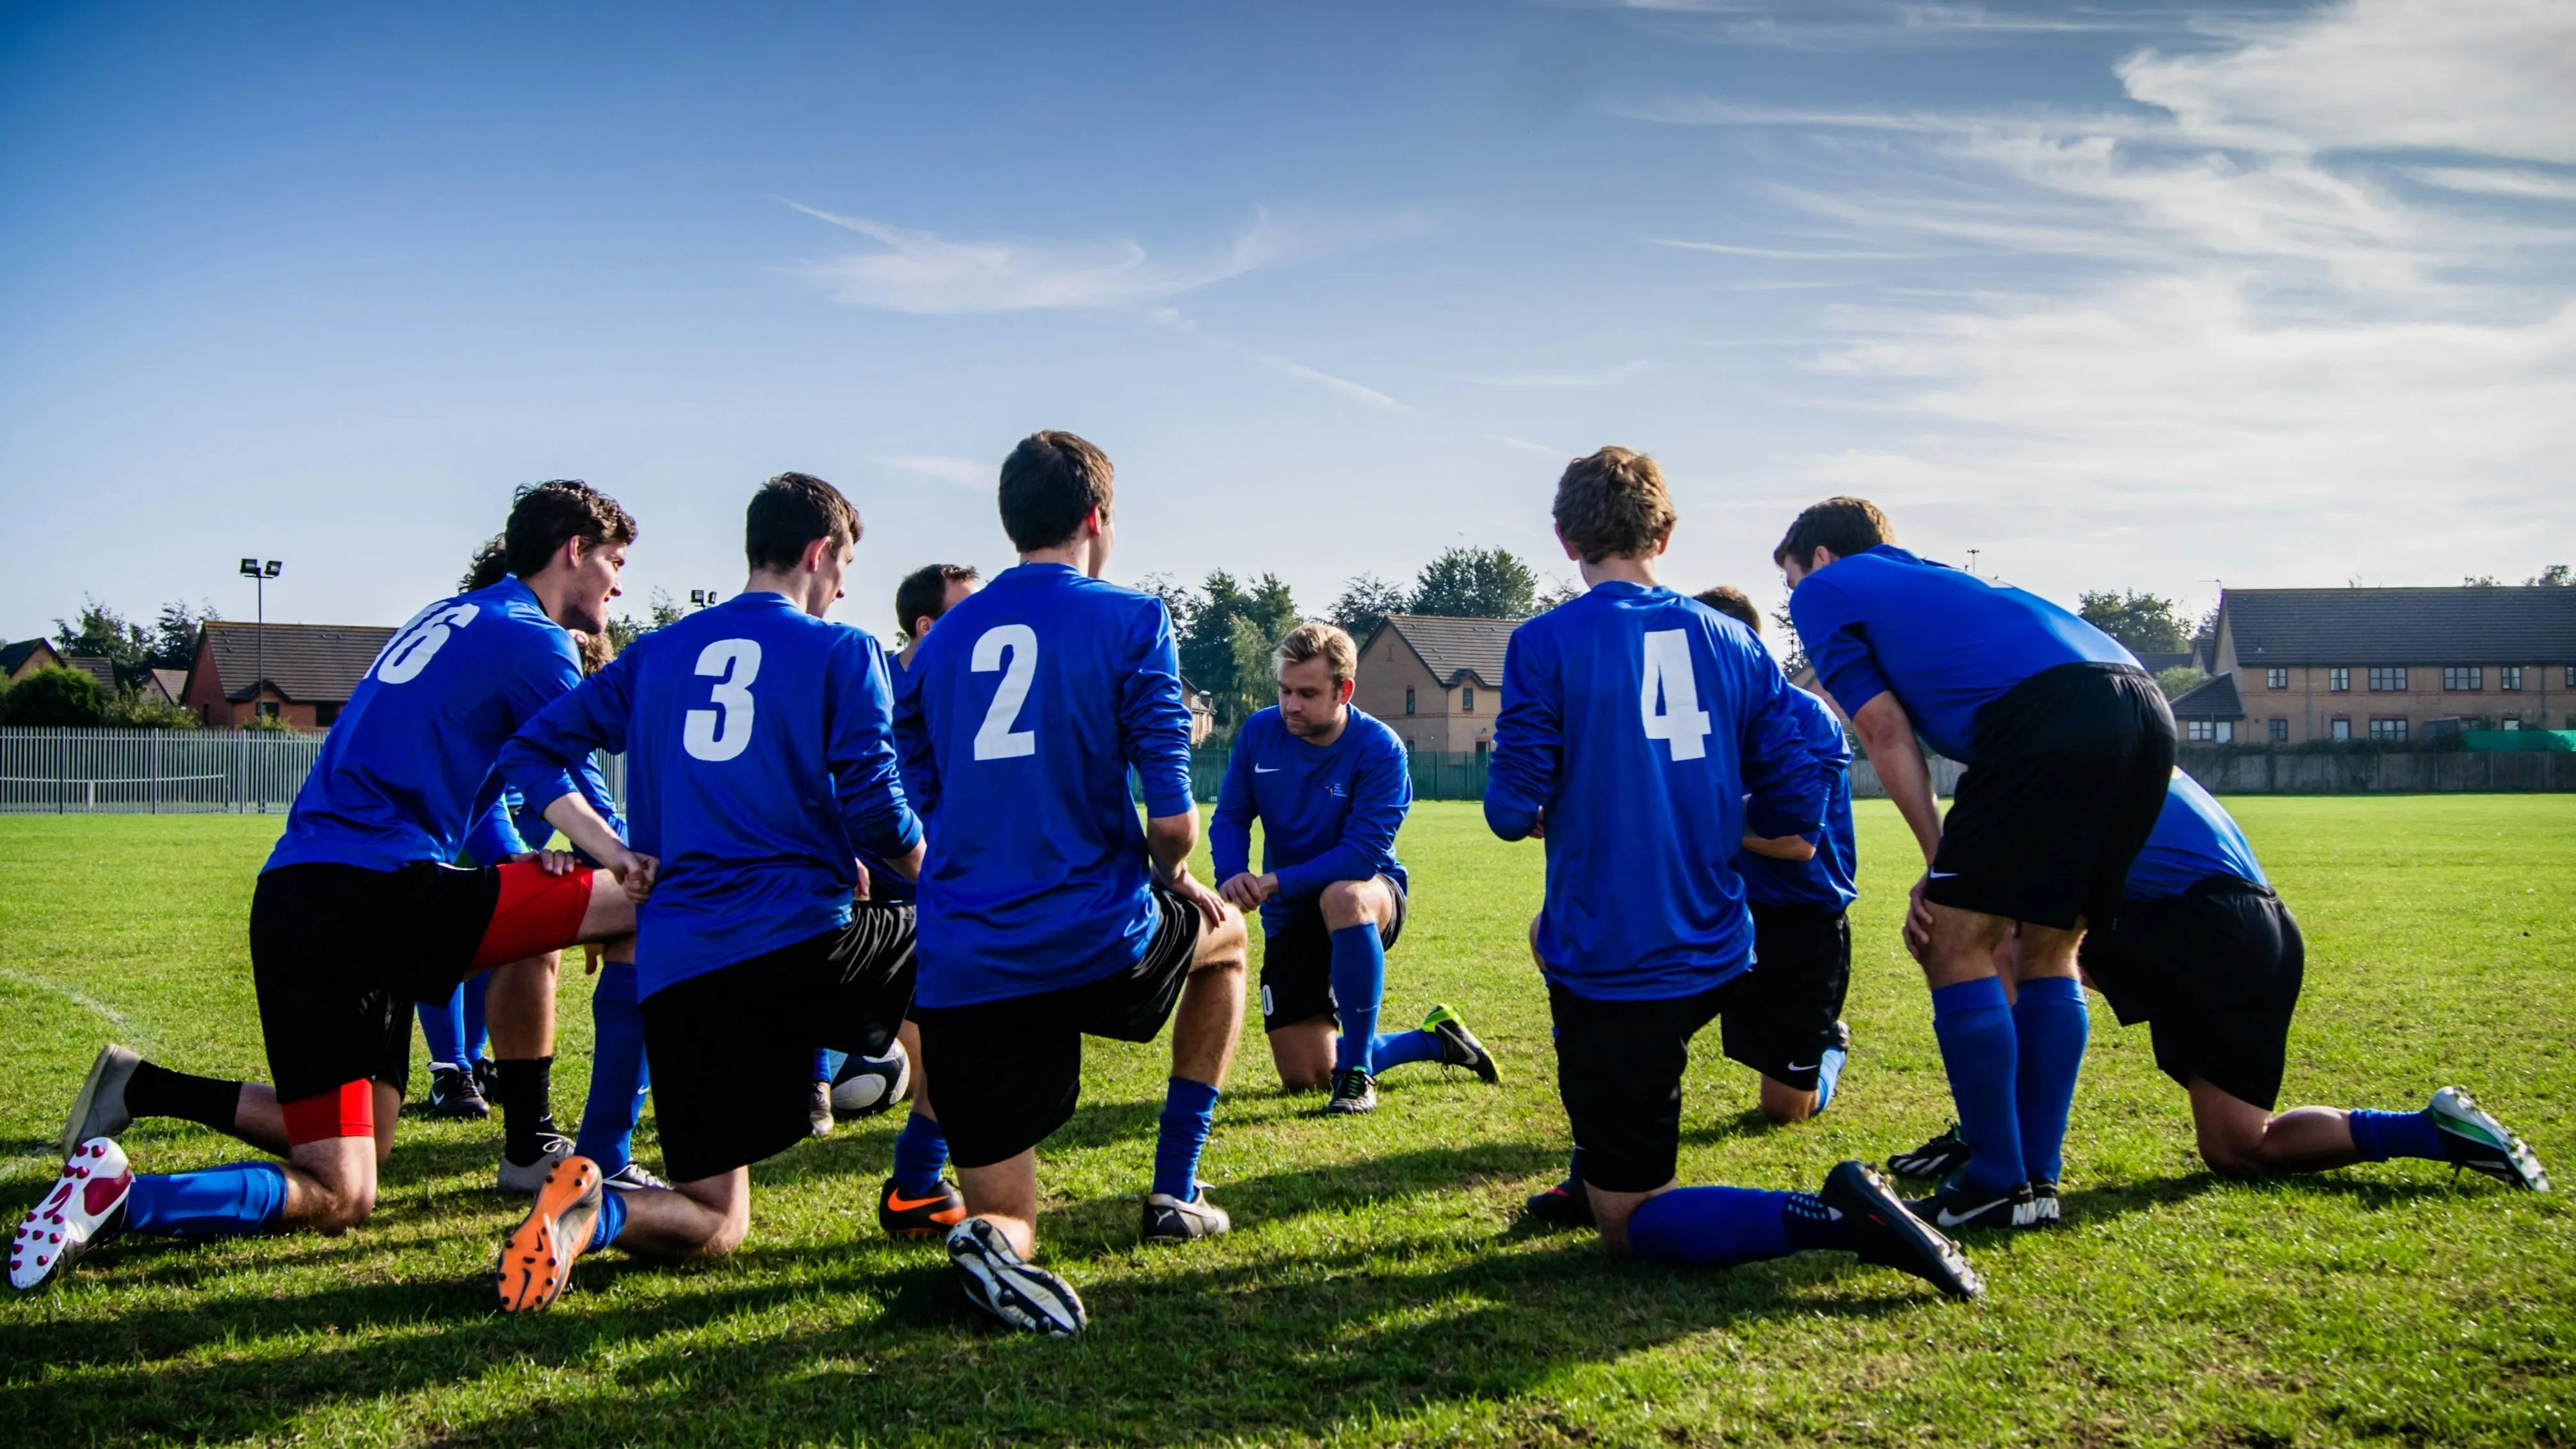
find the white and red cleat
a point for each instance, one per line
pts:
(86, 1208)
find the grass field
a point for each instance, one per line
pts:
(1378, 1286)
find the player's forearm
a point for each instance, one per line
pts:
(1888, 733)
(1169, 839)
(584, 827)
(1309, 877)
(1785, 847)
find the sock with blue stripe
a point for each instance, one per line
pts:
(921, 1151)
(219, 1202)
(2379, 1136)
(612, 1220)
(2050, 1026)
(442, 1030)
(619, 1075)
(1394, 1049)
(827, 1064)
(1974, 1025)
(1711, 1227)
(478, 1035)
(1359, 985)
(1829, 1075)
(1189, 1111)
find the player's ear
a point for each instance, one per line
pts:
(1663, 540)
(811, 561)
(1571, 551)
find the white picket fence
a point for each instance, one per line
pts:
(164, 772)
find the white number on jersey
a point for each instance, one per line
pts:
(1670, 699)
(725, 731)
(997, 740)
(420, 641)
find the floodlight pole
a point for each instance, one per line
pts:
(259, 575)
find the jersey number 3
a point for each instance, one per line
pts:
(997, 740)
(725, 731)
(1669, 699)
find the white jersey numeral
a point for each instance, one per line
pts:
(1669, 699)
(411, 650)
(723, 732)
(997, 740)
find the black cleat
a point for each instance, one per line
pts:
(1354, 1091)
(1939, 1157)
(1565, 1205)
(2043, 1203)
(1955, 1206)
(1885, 1232)
(453, 1094)
(1458, 1045)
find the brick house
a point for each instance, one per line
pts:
(25, 657)
(1437, 682)
(2293, 665)
(311, 670)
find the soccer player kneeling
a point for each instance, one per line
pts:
(759, 751)
(2206, 955)
(1638, 732)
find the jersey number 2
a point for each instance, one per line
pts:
(997, 740)
(1669, 699)
(725, 731)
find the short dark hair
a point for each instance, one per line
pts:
(923, 594)
(1843, 526)
(791, 511)
(1730, 601)
(544, 515)
(1050, 483)
(491, 565)
(1613, 504)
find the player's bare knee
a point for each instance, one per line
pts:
(1223, 947)
(1348, 903)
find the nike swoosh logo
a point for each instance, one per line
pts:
(1940, 875)
(1948, 1219)
(1265, 769)
(1804, 1066)
(897, 1202)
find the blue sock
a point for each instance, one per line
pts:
(1189, 1110)
(1574, 1166)
(478, 1038)
(827, 1063)
(2379, 1136)
(1394, 1049)
(1829, 1075)
(619, 1075)
(612, 1220)
(1975, 1029)
(442, 1030)
(921, 1150)
(1813, 1227)
(1359, 984)
(1710, 1227)
(219, 1202)
(2050, 1024)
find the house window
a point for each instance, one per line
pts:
(327, 713)
(2339, 680)
(2340, 729)
(2463, 676)
(2383, 679)
(2509, 676)
(2278, 731)
(2276, 677)
(2571, 676)
(1482, 748)
(1467, 700)
(268, 709)
(1408, 701)
(2210, 731)
(2510, 722)
(2388, 729)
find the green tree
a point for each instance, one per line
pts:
(1209, 656)
(2180, 680)
(2556, 576)
(134, 710)
(268, 724)
(1475, 583)
(1365, 602)
(102, 630)
(52, 697)
(2143, 623)
(174, 634)
(1794, 658)
(626, 630)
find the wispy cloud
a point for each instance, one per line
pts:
(1880, 24)
(920, 271)
(958, 472)
(1541, 450)
(1368, 397)
(2498, 181)
(1787, 254)
(1608, 377)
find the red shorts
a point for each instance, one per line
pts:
(536, 913)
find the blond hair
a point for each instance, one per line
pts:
(1318, 640)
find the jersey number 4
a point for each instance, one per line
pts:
(721, 733)
(997, 740)
(1669, 699)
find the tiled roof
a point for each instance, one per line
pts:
(2509, 625)
(13, 655)
(1456, 649)
(96, 666)
(2159, 663)
(2213, 700)
(173, 682)
(308, 663)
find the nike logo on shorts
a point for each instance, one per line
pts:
(1805, 1066)
(1940, 875)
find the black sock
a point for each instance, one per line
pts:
(527, 1105)
(159, 1092)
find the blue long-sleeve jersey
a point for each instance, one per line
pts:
(1648, 727)
(2194, 839)
(1944, 642)
(1019, 720)
(1823, 882)
(406, 771)
(758, 752)
(515, 828)
(1327, 812)
(883, 883)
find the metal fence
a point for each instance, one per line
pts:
(150, 772)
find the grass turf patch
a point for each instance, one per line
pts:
(1379, 1286)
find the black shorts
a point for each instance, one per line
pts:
(1619, 1067)
(1004, 1075)
(2215, 974)
(1297, 962)
(1790, 1012)
(339, 953)
(2071, 771)
(733, 1050)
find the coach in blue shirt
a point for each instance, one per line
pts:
(2067, 742)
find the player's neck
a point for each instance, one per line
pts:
(553, 587)
(1326, 740)
(1626, 570)
(1082, 554)
(795, 587)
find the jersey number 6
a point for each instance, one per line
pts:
(997, 740)
(1669, 699)
(725, 731)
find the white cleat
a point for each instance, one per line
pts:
(85, 1209)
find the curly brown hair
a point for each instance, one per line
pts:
(1613, 505)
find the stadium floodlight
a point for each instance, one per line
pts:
(259, 574)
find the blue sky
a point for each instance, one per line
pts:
(2120, 297)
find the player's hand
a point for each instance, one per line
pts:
(557, 862)
(1918, 923)
(635, 872)
(1210, 904)
(1247, 891)
(591, 956)
(1538, 824)
(861, 866)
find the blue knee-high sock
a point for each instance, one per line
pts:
(612, 1219)
(219, 1202)
(1395, 1048)
(1359, 984)
(827, 1063)
(2379, 1136)
(442, 1030)
(1189, 1110)
(478, 1036)
(1710, 1227)
(921, 1151)
(2050, 1026)
(1829, 1075)
(619, 1075)
(1978, 1049)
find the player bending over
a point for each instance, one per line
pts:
(2068, 744)
(1638, 732)
(358, 915)
(2203, 953)
(759, 752)
(1329, 786)
(1047, 913)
